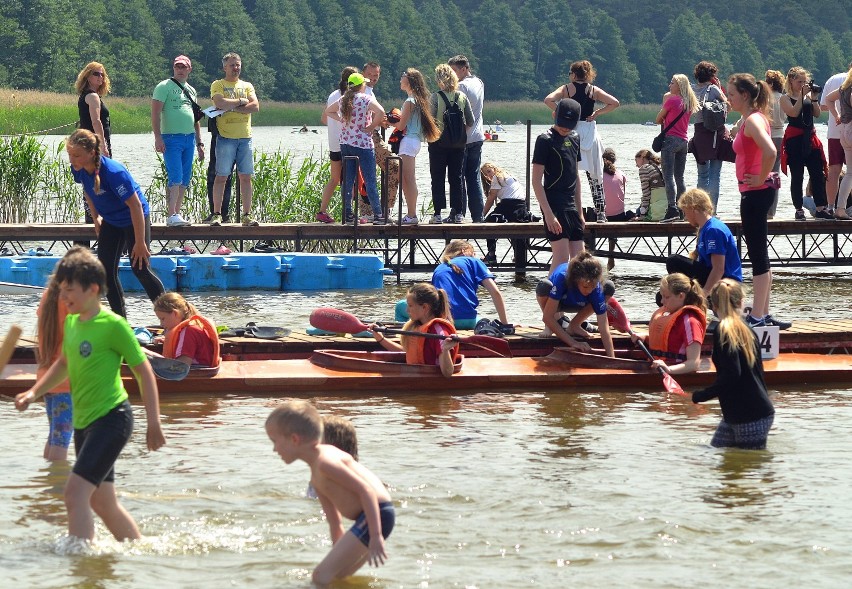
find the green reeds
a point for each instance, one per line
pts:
(21, 162)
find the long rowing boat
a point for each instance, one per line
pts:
(329, 371)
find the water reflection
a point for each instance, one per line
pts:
(42, 498)
(745, 478)
(93, 571)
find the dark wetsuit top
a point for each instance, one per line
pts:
(86, 118)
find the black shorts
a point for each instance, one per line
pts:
(335, 156)
(99, 444)
(572, 227)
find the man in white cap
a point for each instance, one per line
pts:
(177, 135)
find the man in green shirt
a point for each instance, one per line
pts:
(176, 134)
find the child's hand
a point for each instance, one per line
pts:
(377, 555)
(23, 400)
(553, 224)
(154, 437)
(660, 364)
(448, 344)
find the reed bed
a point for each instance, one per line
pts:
(37, 187)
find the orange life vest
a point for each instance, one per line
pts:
(170, 345)
(660, 327)
(415, 346)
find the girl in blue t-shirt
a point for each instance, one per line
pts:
(576, 286)
(120, 213)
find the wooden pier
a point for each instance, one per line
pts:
(812, 243)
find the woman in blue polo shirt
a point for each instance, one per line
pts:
(120, 213)
(716, 254)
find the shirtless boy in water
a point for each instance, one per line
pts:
(344, 487)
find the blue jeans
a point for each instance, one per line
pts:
(674, 164)
(367, 163)
(709, 174)
(180, 151)
(472, 186)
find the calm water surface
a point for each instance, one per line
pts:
(603, 489)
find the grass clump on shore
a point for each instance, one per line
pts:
(30, 111)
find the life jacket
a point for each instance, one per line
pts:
(172, 337)
(415, 346)
(660, 327)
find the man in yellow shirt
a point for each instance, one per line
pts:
(238, 99)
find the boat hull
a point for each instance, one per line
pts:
(557, 372)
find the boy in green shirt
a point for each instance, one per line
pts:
(95, 342)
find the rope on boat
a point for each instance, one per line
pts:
(42, 132)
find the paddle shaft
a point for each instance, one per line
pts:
(668, 380)
(418, 333)
(9, 343)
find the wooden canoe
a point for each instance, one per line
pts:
(363, 372)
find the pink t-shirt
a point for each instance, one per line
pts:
(613, 187)
(673, 107)
(749, 156)
(353, 132)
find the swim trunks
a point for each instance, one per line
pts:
(387, 517)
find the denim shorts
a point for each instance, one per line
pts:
(180, 151)
(99, 444)
(231, 151)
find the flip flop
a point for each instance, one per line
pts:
(265, 331)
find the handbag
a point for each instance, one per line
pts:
(657, 143)
(726, 148)
(197, 113)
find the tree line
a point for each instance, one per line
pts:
(293, 50)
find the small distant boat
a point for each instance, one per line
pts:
(12, 288)
(650, 124)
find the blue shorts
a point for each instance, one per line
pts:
(99, 444)
(59, 415)
(234, 151)
(387, 517)
(180, 151)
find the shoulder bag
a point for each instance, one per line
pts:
(196, 110)
(657, 144)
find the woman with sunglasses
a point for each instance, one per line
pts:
(92, 85)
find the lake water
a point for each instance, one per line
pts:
(548, 489)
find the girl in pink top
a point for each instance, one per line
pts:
(614, 184)
(755, 159)
(679, 101)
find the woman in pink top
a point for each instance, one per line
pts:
(755, 159)
(678, 101)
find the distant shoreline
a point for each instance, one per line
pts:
(30, 111)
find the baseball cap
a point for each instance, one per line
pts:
(357, 79)
(567, 113)
(184, 60)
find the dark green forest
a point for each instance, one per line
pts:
(293, 50)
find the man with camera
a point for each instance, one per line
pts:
(176, 134)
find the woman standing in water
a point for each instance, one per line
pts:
(580, 88)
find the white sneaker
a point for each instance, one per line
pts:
(177, 221)
(406, 220)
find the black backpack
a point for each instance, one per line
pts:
(454, 135)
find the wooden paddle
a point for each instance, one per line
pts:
(618, 319)
(337, 321)
(9, 343)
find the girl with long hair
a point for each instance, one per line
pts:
(360, 115)
(51, 321)
(92, 85)
(678, 105)
(755, 156)
(747, 412)
(429, 312)
(334, 157)
(652, 207)
(419, 125)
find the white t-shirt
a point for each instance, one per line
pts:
(333, 125)
(832, 84)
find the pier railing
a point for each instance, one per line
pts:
(521, 246)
